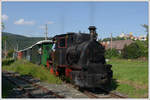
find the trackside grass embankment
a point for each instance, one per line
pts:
(131, 77)
(7, 61)
(26, 68)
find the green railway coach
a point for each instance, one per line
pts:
(41, 52)
(46, 52)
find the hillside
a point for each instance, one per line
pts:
(22, 41)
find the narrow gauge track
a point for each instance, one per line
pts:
(16, 83)
(114, 94)
(17, 79)
(88, 93)
(105, 94)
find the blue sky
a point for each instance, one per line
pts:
(28, 18)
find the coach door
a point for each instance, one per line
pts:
(46, 53)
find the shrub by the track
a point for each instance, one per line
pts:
(7, 61)
(26, 68)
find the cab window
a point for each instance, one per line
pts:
(62, 42)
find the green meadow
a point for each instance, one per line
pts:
(131, 77)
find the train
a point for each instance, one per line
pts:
(76, 56)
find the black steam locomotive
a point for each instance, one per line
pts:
(77, 56)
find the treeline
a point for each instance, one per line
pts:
(19, 42)
(138, 49)
(12, 40)
(113, 39)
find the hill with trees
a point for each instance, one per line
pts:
(12, 40)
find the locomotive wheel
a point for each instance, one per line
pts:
(61, 72)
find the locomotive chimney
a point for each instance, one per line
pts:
(93, 33)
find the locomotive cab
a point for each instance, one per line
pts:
(63, 43)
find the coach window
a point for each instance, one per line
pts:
(62, 42)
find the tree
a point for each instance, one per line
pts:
(100, 40)
(135, 50)
(10, 53)
(146, 27)
(111, 53)
(131, 52)
(4, 39)
(114, 38)
(143, 48)
(146, 42)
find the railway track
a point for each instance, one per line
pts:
(114, 94)
(19, 81)
(104, 94)
(19, 87)
(26, 86)
(107, 94)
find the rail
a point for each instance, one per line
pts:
(29, 82)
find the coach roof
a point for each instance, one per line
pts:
(40, 42)
(44, 41)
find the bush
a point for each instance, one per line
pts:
(24, 67)
(131, 52)
(111, 53)
(143, 48)
(7, 61)
(10, 53)
(135, 50)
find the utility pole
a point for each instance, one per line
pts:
(79, 31)
(17, 46)
(14, 53)
(46, 29)
(111, 41)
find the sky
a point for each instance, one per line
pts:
(29, 18)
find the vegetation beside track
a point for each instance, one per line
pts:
(26, 68)
(7, 61)
(131, 77)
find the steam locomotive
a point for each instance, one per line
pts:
(77, 56)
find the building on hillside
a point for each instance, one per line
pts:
(130, 36)
(121, 35)
(142, 38)
(127, 36)
(118, 44)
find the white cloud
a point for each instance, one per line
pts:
(4, 17)
(23, 22)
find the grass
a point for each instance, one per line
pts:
(132, 77)
(26, 68)
(7, 61)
